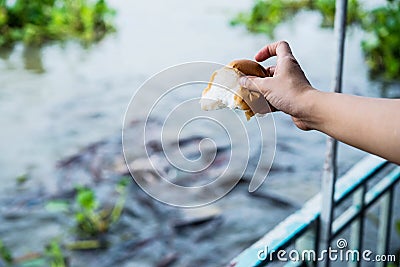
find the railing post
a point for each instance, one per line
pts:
(357, 228)
(328, 191)
(330, 168)
(309, 241)
(385, 219)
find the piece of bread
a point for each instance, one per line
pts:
(224, 90)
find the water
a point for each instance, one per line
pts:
(57, 100)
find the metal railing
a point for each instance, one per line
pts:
(302, 229)
(330, 167)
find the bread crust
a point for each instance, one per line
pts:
(249, 67)
(247, 100)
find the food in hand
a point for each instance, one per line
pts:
(224, 90)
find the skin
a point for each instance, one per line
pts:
(370, 124)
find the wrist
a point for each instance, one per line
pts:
(310, 115)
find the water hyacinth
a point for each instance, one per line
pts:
(381, 24)
(36, 22)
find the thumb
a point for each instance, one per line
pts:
(253, 83)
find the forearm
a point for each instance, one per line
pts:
(370, 124)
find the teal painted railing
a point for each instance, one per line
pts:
(302, 229)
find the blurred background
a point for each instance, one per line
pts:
(67, 72)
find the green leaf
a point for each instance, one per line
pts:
(86, 199)
(21, 179)
(5, 253)
(55, 255)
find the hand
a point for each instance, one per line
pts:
(371, 124)
(287, 89)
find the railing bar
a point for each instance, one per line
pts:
(354, 226)
(308, 241)
(372, 199)
(368, 200)
(276, 240)
(389, 220)
(286, 243)
(328, 193)
(368, 203)
(351, 219)
(385, 219)
(361, 220)
(365, 180)
(317, 236)
(330, 167)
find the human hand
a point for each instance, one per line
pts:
(340, 116)
(287, 89)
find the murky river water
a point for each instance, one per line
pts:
(59, 99)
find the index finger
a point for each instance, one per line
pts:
(280, 48)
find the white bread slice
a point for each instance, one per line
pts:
(224, 90)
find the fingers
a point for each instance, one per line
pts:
(280, 48)
(253, 83)
(261, 85)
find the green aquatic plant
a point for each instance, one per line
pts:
(266, 15)
(5, 254)
(36, 22)
(54, 254)
(382, 47)
(21, 179)
(381, 24)
(91, 220)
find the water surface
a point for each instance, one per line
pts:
(61, 98)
